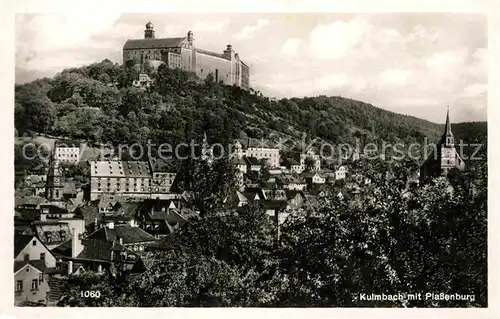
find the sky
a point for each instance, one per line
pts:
(410, 63)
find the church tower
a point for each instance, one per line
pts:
(149, 33)
(447, 155)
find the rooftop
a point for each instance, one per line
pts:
(128, 234)
(119, 169)
(154, 43)
(20, 241)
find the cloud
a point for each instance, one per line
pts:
(447, 59)
(173, 30)
(335, 40)
(291, 46)
(210, 26)
(250, 30)
(332, 81)
(474, 90)
(394, 77)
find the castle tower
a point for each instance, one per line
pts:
(190, 38)
(149, 33)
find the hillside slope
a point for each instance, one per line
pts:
(98, 103)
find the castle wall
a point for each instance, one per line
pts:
(245, 77)
(206, 64)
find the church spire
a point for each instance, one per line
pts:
(447, 138)
(447, 126)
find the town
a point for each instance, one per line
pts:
(251, 223)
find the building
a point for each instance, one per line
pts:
(316, 161)
(180, 52)
(130, 178)
(163, 177)
(253, 164)
(314, 178)
(341, 172)
(31, 248)
(134, 238)
(33, 261)
(292, 165)
(445, 157)
(254, 149)
(143, 82)
(66, 153)
(31, 282)
(55, 185)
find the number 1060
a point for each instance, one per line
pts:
(90, 294)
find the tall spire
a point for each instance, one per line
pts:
(447, 140)
(447, 126)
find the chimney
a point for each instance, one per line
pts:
(76, 244)
(70, 267)
(120, 240)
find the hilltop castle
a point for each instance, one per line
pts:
(181, 53)
(446, 156)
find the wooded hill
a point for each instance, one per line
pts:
(98, 103)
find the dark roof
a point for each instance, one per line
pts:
(89, 213)
(292, 193)
(161, 165)
(38, 264)
(252, 161)
(124, 211)
(20, 241)
(30, 200)
(69, 143)
(274, 204)
(238, 161)
(290, 161)
(129, 234)
(69, 188)
(157, 43)
(100, 250)
(28, 215)
(217, 55)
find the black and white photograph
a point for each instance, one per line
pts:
(255, 160)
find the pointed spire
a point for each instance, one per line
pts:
(447, 129)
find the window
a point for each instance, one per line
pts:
(19, 285)
(40, 277)
(34, 284)
(34, 242)
(42, 256)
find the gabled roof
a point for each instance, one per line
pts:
(69, 188)
(38, 264)
(20, 241)
(161, 165)
(274, 204)
(252, 161)
(100, 250)
(30, 200)
(156, 43)
(130, 235)
(290, 161)
(89, 213)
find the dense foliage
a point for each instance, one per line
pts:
(384, 238)
(387, 239)
(99, 103)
